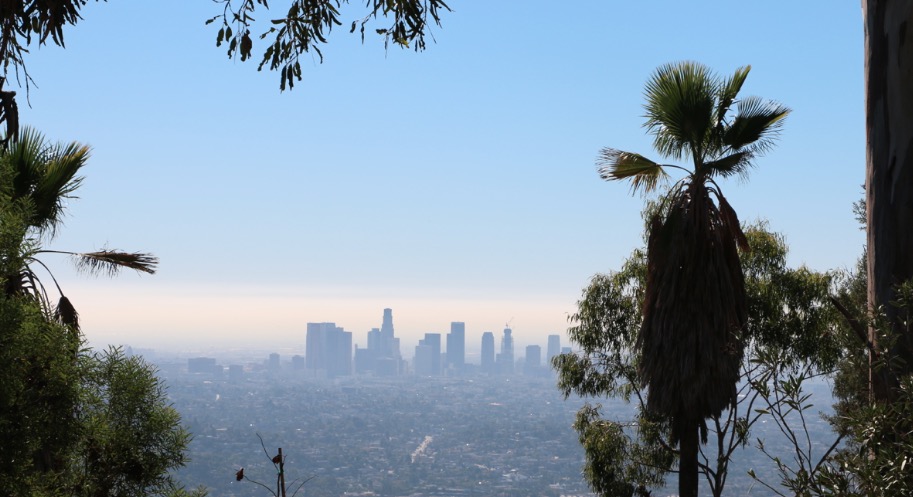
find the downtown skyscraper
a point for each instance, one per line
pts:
(328, 350)
(456, 347)
(427, 359)
(488, 352)
(505, 359)
(554, 348)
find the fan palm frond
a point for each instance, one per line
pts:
(681, 99)
(729, 90)
(58, 184)
(45, 176)
(110, 262)
(737, 163)
(757, 123)
(615, 164)
(24, 156)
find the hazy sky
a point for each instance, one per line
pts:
(457, 184)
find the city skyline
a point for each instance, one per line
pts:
(457, 184)
(333, 349)
(329, 352)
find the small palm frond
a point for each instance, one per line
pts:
(59, 182)
(757, 124)
(729, 90)
(110, 262)
(617, 164)
(31, 285)
(66, 314)
(25, 156)
(28, 284)
(737, 163)
(681, 99)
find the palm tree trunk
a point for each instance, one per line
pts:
(687, 459)
(889, 170)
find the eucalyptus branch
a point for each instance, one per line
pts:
(780, 420)
(643, 407)
(270, 490)
(704, 467)
(722, 430)
(765, 484)
(301, 484)
(263, 445)
(750, 420)
(854, 325)
(827, 454)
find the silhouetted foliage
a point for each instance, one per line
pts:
(306, 24)
(22, 24)
(303, 28)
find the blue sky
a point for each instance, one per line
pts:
(457, 184)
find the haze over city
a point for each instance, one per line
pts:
(457, 184)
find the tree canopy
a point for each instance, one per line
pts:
(301, 27)
(790, 325)
(72, 421)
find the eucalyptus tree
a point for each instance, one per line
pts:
(694, 308)
(889, 179)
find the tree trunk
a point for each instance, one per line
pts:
(889, 170)
(687, 459)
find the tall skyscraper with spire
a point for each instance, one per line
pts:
(382, 357)
(386, 329)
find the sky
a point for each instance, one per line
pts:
(455, 184)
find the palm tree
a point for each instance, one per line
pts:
(690, 344)
(43, 176)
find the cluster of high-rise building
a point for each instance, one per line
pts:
(382, 357)
(329, 352)
(430, 361)
(328, 349)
